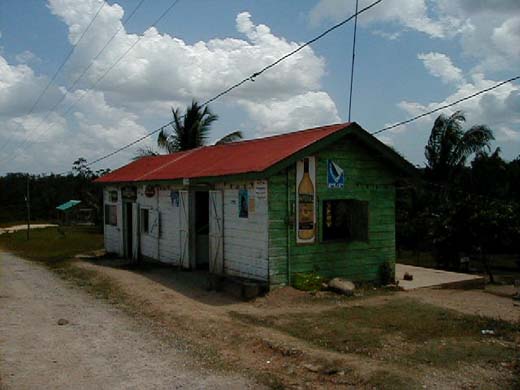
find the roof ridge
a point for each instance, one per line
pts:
(183, 154)
(280, 135)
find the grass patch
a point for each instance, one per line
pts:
(52, 244)
(309, 281)
(447, 354)
(428, 334)
(386, 380)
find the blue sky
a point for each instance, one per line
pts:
(408, 60)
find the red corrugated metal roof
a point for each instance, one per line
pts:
(229, 159)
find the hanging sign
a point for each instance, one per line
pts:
(335, 175)
(149, 191)
(261, 189)
(174, 196)
(306, 201)
(129, 194)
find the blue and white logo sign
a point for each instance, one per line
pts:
(335, 175)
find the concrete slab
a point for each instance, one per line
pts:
(428, 277)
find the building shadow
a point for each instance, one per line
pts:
(193, 284)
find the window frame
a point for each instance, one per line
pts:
(356, 206)
(110, 216)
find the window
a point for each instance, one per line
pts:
(111, 214)
(345, 220)
(145, 220)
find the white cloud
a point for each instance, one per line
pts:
(161, 71)
(27, 57)
(498, 109)
(387, 35)
(19, 87)
(412, 14)
(440, 65)
(282, 115)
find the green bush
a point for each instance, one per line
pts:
(308, 281)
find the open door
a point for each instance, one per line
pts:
(135, 231)
(184, 228)
(216, 233)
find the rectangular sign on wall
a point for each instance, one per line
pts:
(306, 201)
(335, 175)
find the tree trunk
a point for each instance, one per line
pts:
(485, 263)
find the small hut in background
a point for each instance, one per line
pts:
(69, 213)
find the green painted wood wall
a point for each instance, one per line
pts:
(367, 177)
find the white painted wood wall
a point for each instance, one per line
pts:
(245, 239)
(113, 235)
(166, 248)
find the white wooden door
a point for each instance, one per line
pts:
(216, 233)
(184, 229)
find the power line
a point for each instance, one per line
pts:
(245, 80)
(374, 133)
(352, 66)
(446, 105)
(53, 109)
(67, 57)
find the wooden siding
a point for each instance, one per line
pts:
(167, 248)
(245, 239)
(366, 178)
(113, 235)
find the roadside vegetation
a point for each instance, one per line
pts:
(53, 244)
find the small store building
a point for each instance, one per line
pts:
(319, 200)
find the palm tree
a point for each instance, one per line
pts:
(449, 146)
(189, 131)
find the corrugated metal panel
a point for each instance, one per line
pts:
(230, 159)
(68, 205)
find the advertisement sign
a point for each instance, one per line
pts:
(335, 175)
(149, 191)
(306, 201)
(243, 203)
(129, 194)
(174, 196)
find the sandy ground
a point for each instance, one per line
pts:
(178, 300)
(16, 228)
(100, 347)
(478, 302)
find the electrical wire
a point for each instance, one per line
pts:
(67, 57)
(245, 80)
(53, 109)
(445, 106)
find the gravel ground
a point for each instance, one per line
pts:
(99, 347)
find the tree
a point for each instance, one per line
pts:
(189, 131)
(449, 146)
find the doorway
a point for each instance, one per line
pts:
(129, 230)
(202, 229)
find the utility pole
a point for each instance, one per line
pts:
(28, 203)
(353, 59)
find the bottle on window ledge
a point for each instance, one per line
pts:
(306, 204)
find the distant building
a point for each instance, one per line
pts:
(70, 213)
(319, 200)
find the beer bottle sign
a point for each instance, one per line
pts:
(305, 198)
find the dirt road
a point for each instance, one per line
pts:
(99, 348)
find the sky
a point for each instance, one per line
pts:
(411, 57)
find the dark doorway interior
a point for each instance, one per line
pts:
(202, 229)
(129, 230)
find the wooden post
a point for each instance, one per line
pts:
(28, 203)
